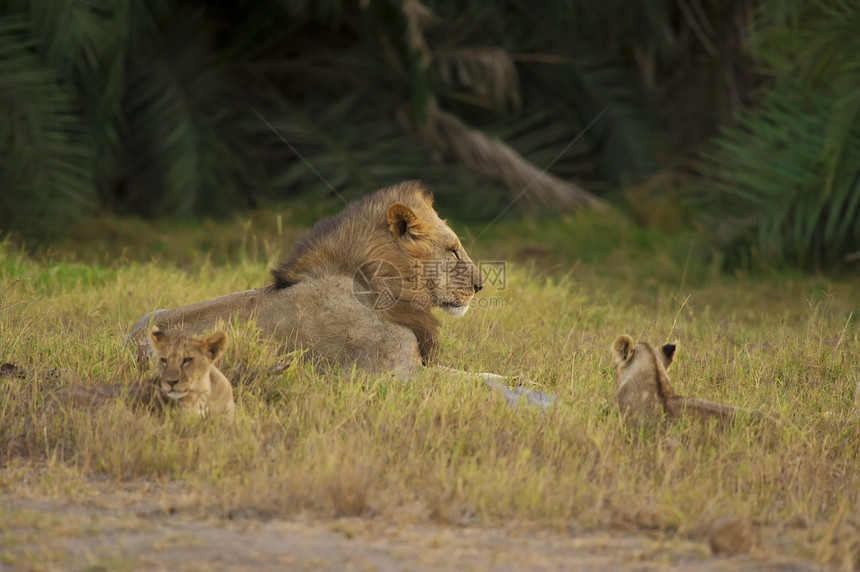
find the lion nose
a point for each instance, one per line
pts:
(172, 382)
(478, 287)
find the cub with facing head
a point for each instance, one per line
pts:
(187, 379)
(644, 393)
(187, 375)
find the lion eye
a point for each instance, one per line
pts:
(187, 360)
(455, 251)
(163, 361)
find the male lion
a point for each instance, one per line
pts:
(643, 391)
(357, 289)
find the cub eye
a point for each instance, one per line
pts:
(163, 361)
(187, 360)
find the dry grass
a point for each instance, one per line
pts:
(342, 443)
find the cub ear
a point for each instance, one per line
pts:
(622, 347)
(403, 222)
(667, 353)
(158, 337)
(214, 345)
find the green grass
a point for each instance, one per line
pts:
(342, 443)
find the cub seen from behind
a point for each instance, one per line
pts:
(644, 393)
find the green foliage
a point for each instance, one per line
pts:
(178, 107)
(157, 100)
(122, 105)
(770, 176)
(573, 64)
(45, 144)
(783, 183)
(184, 139)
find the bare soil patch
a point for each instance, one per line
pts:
(143, 527)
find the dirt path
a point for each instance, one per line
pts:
(117, 531)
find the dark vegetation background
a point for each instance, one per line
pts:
(740, 117)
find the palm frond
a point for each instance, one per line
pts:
(488, 72)
(819, 44)
(767, 182)
(45, 146)
(329, 12)
(418, 18)
(182, 147)
(497, 161)
(630, 135)
(476, 97)
(349, 147)
(785, 180)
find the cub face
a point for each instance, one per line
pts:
(184, 363)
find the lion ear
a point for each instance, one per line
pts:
(623, 347)
(214, 345)
(158, 337)
(667, 353)
(403, 222)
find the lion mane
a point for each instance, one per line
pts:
(361, 235)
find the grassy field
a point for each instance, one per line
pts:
(342, 443)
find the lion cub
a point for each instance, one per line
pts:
(187, 379)
(187, 375)
(643, 391)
